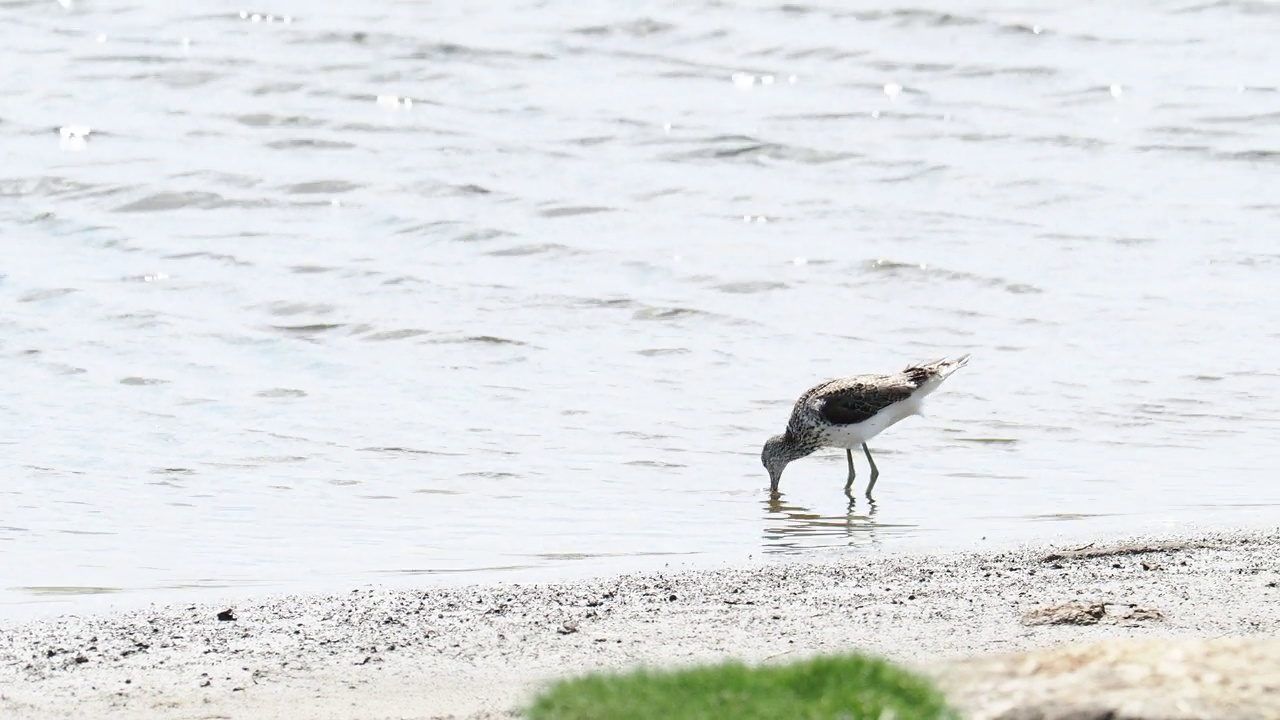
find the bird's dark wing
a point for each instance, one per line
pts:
(848, 402)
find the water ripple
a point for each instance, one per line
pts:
(547, 280)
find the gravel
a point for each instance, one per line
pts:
(482, 651)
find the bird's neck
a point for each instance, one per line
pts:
(794, 448)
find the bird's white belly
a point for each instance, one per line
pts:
(853, 436)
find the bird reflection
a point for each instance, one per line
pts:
(793, 528)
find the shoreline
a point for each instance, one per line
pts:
(482, 651)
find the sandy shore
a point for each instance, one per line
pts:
(482, 651)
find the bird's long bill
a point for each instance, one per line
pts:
(774, 479)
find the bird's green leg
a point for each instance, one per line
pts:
(875, 472)
(849, 455)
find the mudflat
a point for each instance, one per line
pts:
(1141, 627)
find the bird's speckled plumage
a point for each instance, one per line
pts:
(847, 412)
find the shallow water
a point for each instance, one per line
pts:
(270, 325)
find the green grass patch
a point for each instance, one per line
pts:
(849, 687)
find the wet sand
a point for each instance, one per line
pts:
(482, 651)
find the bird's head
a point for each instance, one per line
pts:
(777, 452)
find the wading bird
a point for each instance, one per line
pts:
(847, 412)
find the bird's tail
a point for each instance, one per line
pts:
(932, 373)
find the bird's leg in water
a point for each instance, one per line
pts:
(875, 472)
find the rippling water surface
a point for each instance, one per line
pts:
(310, 295)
